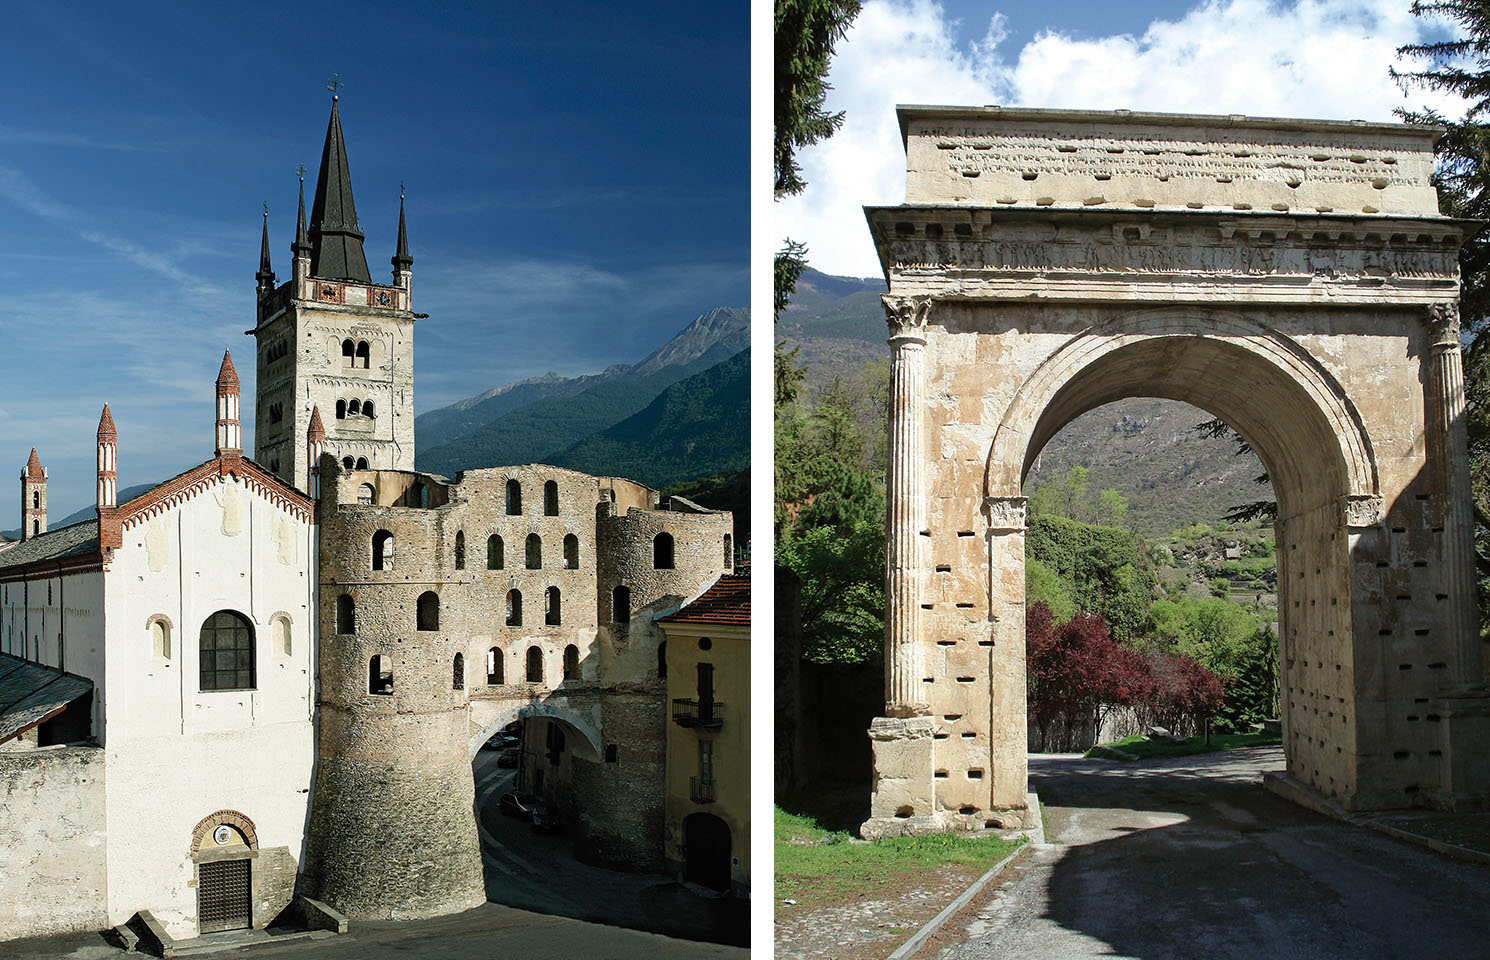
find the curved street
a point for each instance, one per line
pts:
(1192, 857)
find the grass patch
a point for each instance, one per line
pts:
(1141, 747)
(817, 866)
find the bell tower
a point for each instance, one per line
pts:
(33, 498)
(331, 338)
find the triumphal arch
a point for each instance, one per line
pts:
(1293, 277)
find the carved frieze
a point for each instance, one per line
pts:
(1006, 514)
(1088, 248)
(906, 315)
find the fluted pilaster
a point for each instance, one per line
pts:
(1448, 456)
(906, 498)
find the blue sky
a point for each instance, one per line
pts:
(576, 175)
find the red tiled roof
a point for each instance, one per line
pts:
(33, 467)
(226, 375)
(727, 601)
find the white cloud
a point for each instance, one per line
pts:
(1313, 58)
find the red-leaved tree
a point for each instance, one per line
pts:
(1076, 673)
(1182, 691)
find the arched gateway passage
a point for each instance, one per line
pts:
(1291, 277)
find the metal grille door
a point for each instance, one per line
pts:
(222, 896)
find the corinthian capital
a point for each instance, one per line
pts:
(1443, 324)
(906, 315)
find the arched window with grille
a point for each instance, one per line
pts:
(382, 550)
(535, 665)
(460, 549)
(620, 605)
(662, 551)
(514, 608)
(494, 552)
(550, 499)
(458, 680)
(514, 498)
(346, 614)
(535, 552)
(365, 493)
(226, 649)
(551, 607)
(427, 616)
(571, 552)
(571, 662)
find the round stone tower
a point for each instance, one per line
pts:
(391, 832)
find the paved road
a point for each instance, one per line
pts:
(535, 871)
(1192, 858)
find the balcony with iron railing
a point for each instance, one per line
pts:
(701, 790)
(699, 714)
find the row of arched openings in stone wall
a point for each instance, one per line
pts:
(496, 552)
(354, 408)
(355, 354)
(358, 463)
(380, 674)
(226, 647)
(427, 610)
(533, 669)
(515, 498)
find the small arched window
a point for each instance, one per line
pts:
(427, 616)
(620, 605)
(514, 608)
(361, 463)
(35, 499)
(348, 463)
(382, 550)
(367, 408)
(363, 355)
(729, 551)
(514, 498)
(341, 409)
(551, 609)
(346, 614)
(35, 527)
(571, 662)
(380, 675)
(418, 495)
(347, 351)
(458, 679)
(612, 755)
(662, 551)
(279, 635)
(571, 552)
(460, 549)
(160, 637)
(662, 660)
(550, 499)
(535, 665)
(226, 652)
(354, 408)
(494, 667)
(494, 552)
(535, 552)
(365, 493)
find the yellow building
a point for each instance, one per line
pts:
(707, 808)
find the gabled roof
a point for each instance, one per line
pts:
(186, 485)
(726, 602)
(335, 237)
(64, 543)
(31, 693)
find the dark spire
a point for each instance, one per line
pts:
(265, 276)
(336, 240)
(401, 258)
(301, 246)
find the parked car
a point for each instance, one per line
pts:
(546, 820)
(495, 742)
(507, 758)
(518, 805)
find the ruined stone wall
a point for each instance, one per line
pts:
(391, 831)
(52, 824)
(618, 804)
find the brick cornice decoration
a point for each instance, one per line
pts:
(182, 488)
(232, 818)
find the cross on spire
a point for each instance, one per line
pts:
(300, 171)
(333, 84)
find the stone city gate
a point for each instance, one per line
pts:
(1292, 277)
